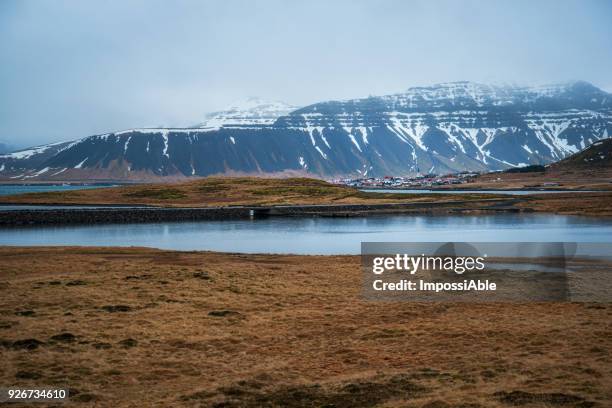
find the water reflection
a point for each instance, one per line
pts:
(319, 235)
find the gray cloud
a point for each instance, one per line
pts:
(75, 68)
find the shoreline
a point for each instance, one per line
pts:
(88, 213)
(240, 198)
(117, 214)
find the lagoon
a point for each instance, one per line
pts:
(324, 236)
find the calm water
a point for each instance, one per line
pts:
(319, 235)
(6, 189)
(507, 192)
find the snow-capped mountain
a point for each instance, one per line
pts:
(443, 128)
(252, 111)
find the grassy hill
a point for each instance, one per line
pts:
(227, 191)
(590, 168)
(594, 159)
(224, 191)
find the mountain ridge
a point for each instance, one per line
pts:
(442, 128)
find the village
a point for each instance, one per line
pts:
(416, 182)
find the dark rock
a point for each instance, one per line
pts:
(201, 275)
(116, 308)
(64, 338)
(76, 282)
(222, 313)
(27, 344)
(27, 313)
(27, 375)
(128, 343)
(102, 346)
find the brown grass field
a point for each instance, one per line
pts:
(225, 191)
(587, 180)
(142, 327)
(591, 204)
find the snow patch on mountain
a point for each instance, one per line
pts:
(27, 153)
(80, 165)
(252, 111)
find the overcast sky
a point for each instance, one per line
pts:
(69, 69)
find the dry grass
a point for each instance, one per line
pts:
(590, 179)
(592, 204)
(219, 191)
(143, 327)
(222, 191)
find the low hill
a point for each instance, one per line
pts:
(590, 168)
(250, 191)
(594, 159)
(225, 191)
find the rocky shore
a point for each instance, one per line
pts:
(112, 215)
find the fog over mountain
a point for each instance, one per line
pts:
(448, 127)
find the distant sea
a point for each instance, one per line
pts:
(9, 189)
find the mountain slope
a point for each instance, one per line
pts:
(596, 158)
(30, 159)
(588, 169)
(443, 128)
